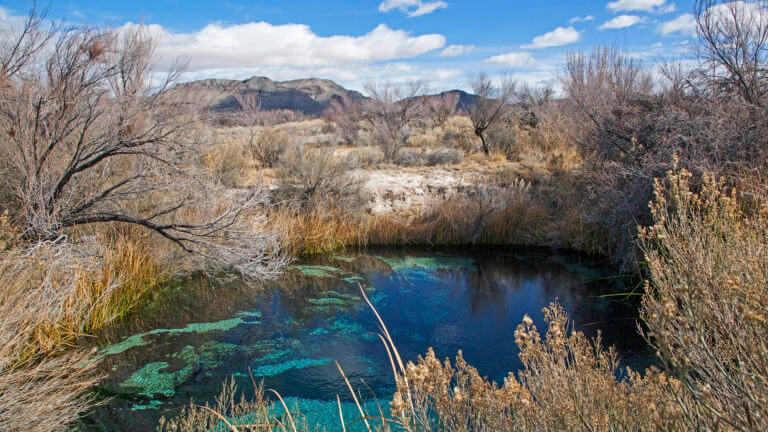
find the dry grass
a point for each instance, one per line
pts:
(41, 388)
(313, 232)
(253, 414)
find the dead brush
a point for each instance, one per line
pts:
(707, 303)
(567, 383)
(43, 383)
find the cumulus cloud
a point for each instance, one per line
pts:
(457, 50)
(557, 37)
(412, 8)
(750, 14)
(636, 5)
(684, 24)
(621, 21)
(259, 44)
(575, 20)
(513, 59)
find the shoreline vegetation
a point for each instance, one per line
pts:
(112, 185)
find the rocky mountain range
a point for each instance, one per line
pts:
(310, 97)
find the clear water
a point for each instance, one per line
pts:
(290, 333)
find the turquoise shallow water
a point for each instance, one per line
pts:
(289, 333)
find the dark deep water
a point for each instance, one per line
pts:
(290, 332)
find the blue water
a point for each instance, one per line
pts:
(290, 333)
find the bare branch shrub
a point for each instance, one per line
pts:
(532, 101)
(346, 114)
(442, 106)
(489, 105)
(733, 37)
(315, 179)
(391, 112)
(88, 140)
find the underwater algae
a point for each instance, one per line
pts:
(316, 412)
(152, 381)
(430, 263)
(344, 258)
(138, 339)
(279, 368)
(317, 270)
(327, 301)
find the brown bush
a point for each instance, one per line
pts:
(567, 383)
(706, 308)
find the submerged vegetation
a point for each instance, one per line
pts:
(113, 186)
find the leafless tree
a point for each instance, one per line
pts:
(442, 106)
(489, 104)
(391, 112)
(733, 37)
(606, 88)
(86, 139)
(346, 113)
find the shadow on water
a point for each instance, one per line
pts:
(290, 332)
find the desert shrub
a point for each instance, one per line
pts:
(567, 383)
(367, 157)
(706, 307)
(346, 115)
(392, 113)
(266, 147)
(314, 178)
(428, 157)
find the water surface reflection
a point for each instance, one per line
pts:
(290, 332)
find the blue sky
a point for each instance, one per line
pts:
(353, 42)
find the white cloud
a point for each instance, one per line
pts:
(412, 8)
(622, 21)
(557, 37)
(260, 44)
(668, 9)
(457, 50)
(750, 14)
(575, 20)
(635, 5)
(684, 24)
(513, 59)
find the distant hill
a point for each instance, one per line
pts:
(307, 96)
(310, 97)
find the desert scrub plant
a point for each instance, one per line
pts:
(391, 113)
(315, 178)
(706, 306)
(95, 141)
(567, 383)
(266, 147)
